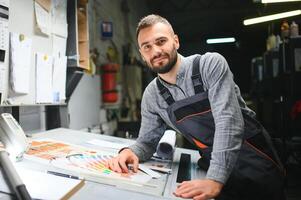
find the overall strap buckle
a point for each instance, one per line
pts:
(196, 76)
(165, 93)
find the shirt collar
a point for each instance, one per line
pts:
(181, 72)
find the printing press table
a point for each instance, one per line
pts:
(184, 167)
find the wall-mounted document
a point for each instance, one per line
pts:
(4, 14)
(20, 61)
(59, 79)
(44, 78)
(2, 78)
(59, 45)
(59, 18)
(4, 40)
(46, 4)
(43, 19)
(4, 3)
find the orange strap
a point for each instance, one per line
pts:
(199, 144)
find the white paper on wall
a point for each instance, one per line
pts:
(43, 19)
(44, 78)
(59, 79)
(20, 62)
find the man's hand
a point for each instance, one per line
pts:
(199, 189)
(120, 163)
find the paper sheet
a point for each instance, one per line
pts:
(59, 79)
(107, 144)
(3, 31)
(4, 40)
(44, 78)
(42, 185)
(43, 19)
(167, 144)
(59, 18)
(46, 4)
(4, 3)
(150, 172)
(20, 63)
(2, 77)
(59, 45)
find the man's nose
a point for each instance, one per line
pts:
(156, 50)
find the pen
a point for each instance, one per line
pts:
(62, 175)
(11, 175)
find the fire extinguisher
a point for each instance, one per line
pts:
(108, 80)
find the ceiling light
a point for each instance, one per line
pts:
(271, 17)
(220, 40)
(277, 1)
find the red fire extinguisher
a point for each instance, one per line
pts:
(108, 80)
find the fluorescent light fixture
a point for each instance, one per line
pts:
(220, 40)
(271, 17)
(277, 1)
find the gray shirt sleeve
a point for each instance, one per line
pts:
(151, 130)
(229, 124)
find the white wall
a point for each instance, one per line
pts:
(110, 10)
(85, 103)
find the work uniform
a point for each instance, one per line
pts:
(205, 106)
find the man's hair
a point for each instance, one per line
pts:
(150, 20)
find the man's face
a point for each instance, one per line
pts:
(158, 47)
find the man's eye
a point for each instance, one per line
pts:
(146, 47)
(161, 42)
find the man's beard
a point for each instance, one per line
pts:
(166, 68)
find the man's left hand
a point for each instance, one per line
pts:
(199, 189)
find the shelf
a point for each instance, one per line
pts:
(78, 34)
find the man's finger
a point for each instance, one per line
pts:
(135, 165)
(190, 194)
(200, 197)
(123, 166)
(106, 164)
(182, 190)
(183, 187)
(116, 166)
(177, 195)
(110, 164)
(183, 183)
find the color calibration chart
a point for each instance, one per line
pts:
(95, 163)
(78, 159)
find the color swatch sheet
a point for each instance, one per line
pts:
(84, 162)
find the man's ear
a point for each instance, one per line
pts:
(177, 42)
(140, 51)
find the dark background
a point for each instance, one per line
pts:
(194, 21)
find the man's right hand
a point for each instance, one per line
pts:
(120, 163)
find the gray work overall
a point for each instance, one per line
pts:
(258, 173)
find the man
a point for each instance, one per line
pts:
(197, 96)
